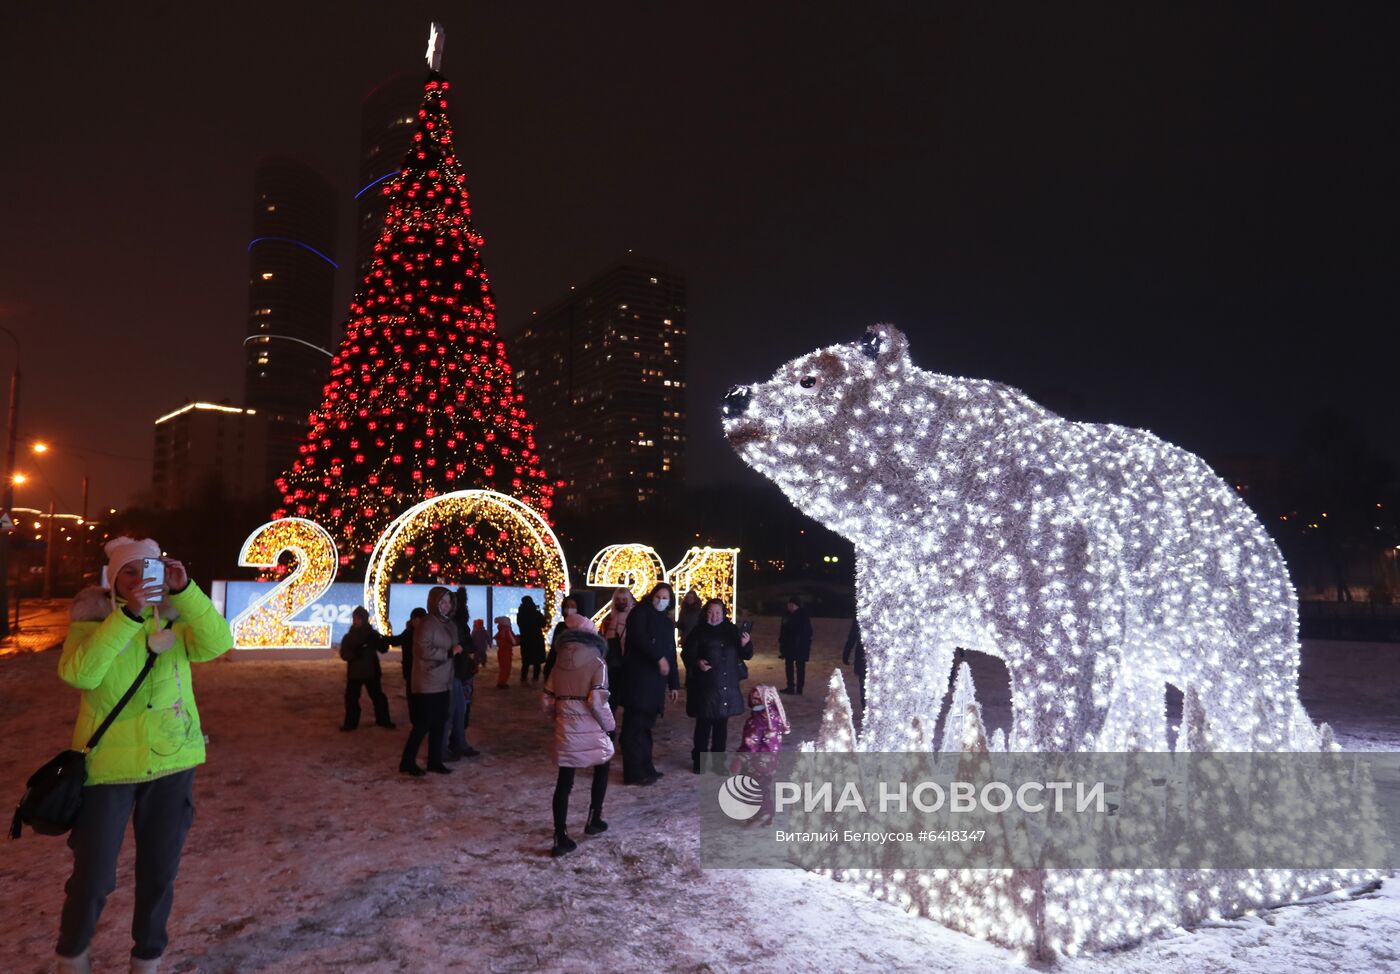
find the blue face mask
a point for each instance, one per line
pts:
(757, 708)
(660, 603)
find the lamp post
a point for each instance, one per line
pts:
(8, 501)
(40, 448)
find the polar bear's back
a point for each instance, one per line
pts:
(1191, 545)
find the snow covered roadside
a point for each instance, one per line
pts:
(311, 854)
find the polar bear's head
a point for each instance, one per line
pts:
(823, 426)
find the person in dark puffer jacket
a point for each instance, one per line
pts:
(360, 648)
(712, 655)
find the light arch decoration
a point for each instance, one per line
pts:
(533, 558)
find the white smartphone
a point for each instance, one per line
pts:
(152, 573)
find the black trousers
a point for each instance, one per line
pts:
(428, 711)
(532, 669)
(161, 812)
(376, 697)
(636, 743)
(565, 785)
(711, 734)
(800, 667)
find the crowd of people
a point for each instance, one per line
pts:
(135, 640)
(585, 676)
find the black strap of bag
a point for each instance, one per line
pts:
(54, 793)
(126, 699)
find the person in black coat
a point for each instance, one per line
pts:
(795, 646)
(713, 654)
(404, 642)
(855, 646)
(360, 648)
(649, 676)
(530, 621)
(568, 608)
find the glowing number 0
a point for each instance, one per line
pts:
(264, 625)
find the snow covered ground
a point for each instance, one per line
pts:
(311, 854)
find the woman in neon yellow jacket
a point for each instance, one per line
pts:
(143, 768)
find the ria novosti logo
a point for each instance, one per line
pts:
(740, 797)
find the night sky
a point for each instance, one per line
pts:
(1182, 217)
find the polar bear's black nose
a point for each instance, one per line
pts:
(736, 401)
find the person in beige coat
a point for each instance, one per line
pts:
(435, 641)
(576, 699)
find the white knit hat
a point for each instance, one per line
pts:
(123, 550)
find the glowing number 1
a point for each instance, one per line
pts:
(264, 625)
(711, 572)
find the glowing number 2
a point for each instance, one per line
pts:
(637, 566)
(264, 625)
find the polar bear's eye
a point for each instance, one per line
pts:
(808, 381)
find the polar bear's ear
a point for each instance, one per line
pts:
(884, 343)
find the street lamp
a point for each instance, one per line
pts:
(38, 447)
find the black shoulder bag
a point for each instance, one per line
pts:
(54, 793)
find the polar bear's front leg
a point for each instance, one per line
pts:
(1064, 681)
(906, 670)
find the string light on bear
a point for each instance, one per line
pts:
(1099, 562)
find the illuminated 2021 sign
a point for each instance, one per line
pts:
(267, 623)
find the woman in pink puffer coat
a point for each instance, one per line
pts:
(576, 698)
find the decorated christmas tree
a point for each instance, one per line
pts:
(420, 400)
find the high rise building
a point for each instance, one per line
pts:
(603, 375)
(388, 117)
(291, 299)
(204, 442)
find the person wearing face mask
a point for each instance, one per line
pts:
(649, 677)
(714, 655)
(614, 625)
(573, 620)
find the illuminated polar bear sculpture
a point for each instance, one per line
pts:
(1099, 562)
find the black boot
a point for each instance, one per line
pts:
(563, 845)
(695, 761)
(595, 821)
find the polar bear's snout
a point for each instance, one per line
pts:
(736, 401)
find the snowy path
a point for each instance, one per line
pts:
(310, 854)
